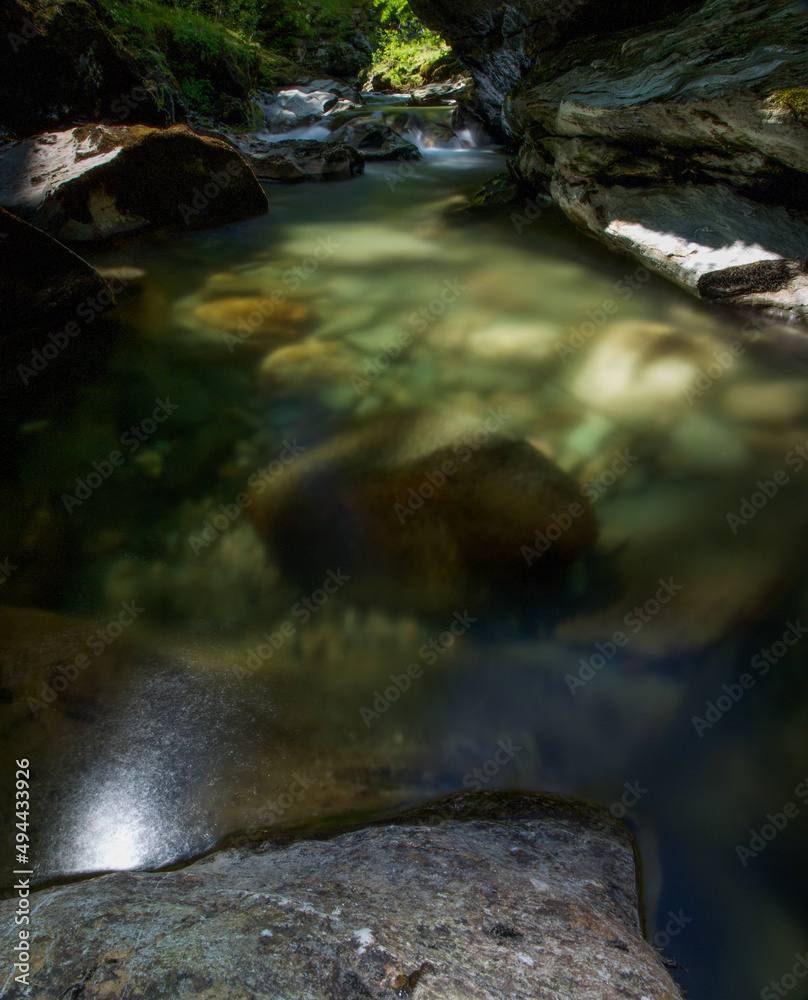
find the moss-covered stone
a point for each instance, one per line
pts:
(795, 99)
(98, 181)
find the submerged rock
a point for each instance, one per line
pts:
(261, 317)
(310, 366)
(480, 895)
(97, 181)
(426, 509)
(375, 140)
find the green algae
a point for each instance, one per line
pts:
(795, 99)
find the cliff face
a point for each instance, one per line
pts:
(682, 140)
(500, 42)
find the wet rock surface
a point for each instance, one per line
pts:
(41, 281)
(307, 103)
(302, 160)
(375, 140)
(98, 181)
(486, 895)
(498, 43)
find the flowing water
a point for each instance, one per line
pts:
(215, 696)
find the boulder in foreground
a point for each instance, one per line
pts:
(56, 318)
(98, 181)
(486, 895)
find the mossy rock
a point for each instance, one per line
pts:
(62, 64)
(99, 181)
(795, 99)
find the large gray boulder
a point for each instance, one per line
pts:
(375, 140)
(97, 181)
(484, 896)
(307, 103)
(295, 160)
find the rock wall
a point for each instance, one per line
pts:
(682, 141)
(500, 42)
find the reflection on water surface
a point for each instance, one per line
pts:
(246, 686)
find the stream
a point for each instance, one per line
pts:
(222, 698)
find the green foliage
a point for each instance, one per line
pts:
(405, 50)
(214, 51)
(795, 99)
(210, 63)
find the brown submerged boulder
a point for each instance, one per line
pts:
(97, 181)
(426, 509)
